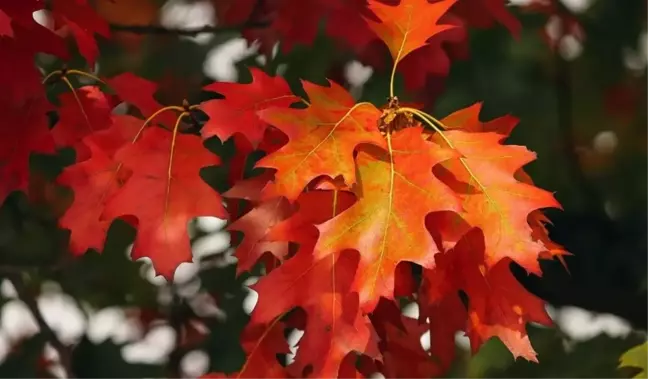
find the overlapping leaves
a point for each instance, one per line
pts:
(351, 197)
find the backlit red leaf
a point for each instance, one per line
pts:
(94, 181)
(255, 225)
(237, 113)
(164, 193)
(498, 305)
(83, 22)
(82, 112)
(23, 131)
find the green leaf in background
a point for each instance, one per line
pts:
(636, 357)
(559, 357)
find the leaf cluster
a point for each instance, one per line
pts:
(352, 207)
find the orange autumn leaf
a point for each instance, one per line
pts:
(322, 137)
(408, 25)
(467, 119)
(492, 199)
(396, 190)
(164, 193)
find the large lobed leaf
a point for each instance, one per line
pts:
(363, 196)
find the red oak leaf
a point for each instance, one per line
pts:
(243, 148)
(407, 26)
(123, 130)
(483, 13)
(322, 139)
(467, 119)
(136, 91)
(403, 355)
(492, 198)
(335, 329)
(5, 24)
(261, 343)
(313, 207)
(94, 181)
(498, 305)
(83, 22)
(332, 315)
(17, 12)
(346, 23)
(238, 111)
(23, 130)
(510, 160)
(273, 140)
(335, 326)
(21, 80)
(297, 21)
(19, 23)
(433, 59)
(255, 225)
(21, 37)
(82, 112)
(348, 367)
(447, 316)
(140, 92)
(429, 60)
(396, 190)
(164, 193)
(236, 170)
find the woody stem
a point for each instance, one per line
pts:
(24, 294)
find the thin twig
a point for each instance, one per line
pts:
(175, 319)
(24, 294)
(158, 29)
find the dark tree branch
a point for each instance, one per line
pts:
(157, 29)
(176, 318)
(26, 296)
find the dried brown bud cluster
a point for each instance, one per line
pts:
(393, 118)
